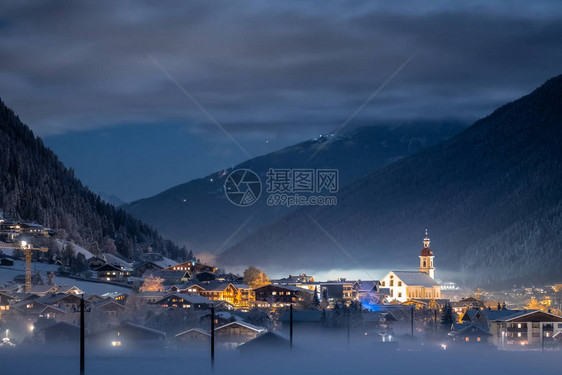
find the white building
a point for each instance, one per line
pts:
(404, 285)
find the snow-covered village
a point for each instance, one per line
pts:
(56, 293)
(250, 187)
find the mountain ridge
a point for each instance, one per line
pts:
(503, 171)
(197, 212)
(36, 186)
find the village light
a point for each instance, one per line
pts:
(31, 327)
(23, 243)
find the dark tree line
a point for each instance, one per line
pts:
(36, 186)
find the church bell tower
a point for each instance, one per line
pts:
(426, 258)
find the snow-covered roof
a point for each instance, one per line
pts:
(415, 278)
(243, 324)
(198, 330)
(191, 298)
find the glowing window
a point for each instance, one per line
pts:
(467, 339)
(478, 339)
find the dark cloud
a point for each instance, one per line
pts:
(286, 69)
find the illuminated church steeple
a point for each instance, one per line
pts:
(426, 258)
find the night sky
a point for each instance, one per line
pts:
(88, 76)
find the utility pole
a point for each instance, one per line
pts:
(82, 310)
(348, 325)
(291, 326)
(212, 338)
(412, 320)
(542, 337)
(82, 353)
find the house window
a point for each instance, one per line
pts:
(273, 293)
(478, 339)
(399, 295)
(518, 334)
(400, 283)
(288, 293)
(519, 325)
(382, 284)
(391, 282)
(467, 339)
(116, 343)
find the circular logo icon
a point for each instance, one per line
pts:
(242, 187)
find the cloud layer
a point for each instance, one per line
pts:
(278, 71)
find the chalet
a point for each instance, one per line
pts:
(110, 308)
(192, 267)
(246, 296)
(302, 278)
(119, 297)
(185, 301)
(154, 263)
(364, 288)
(194, 336)
(5, 300)
(470, 333)
(42, 290)
(56, 313)
(95, 262)
(128, 335)
(216, 291)
(465, 304)
(378, 321)
(236, 333)
(187, 288)
(525, 328)
(66, 289)
(60, 333)
(66, 302)
(94, 298)
(265, 341)
(145, 267)
(277, 295)
(109, 272)
(221, 318)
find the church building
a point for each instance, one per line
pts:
(405, 285)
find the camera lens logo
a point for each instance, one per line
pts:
(242, 187)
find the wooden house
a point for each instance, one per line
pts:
(194, 337)
(236, 333)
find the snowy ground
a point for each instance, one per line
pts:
(324, 358)
(7, 274)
